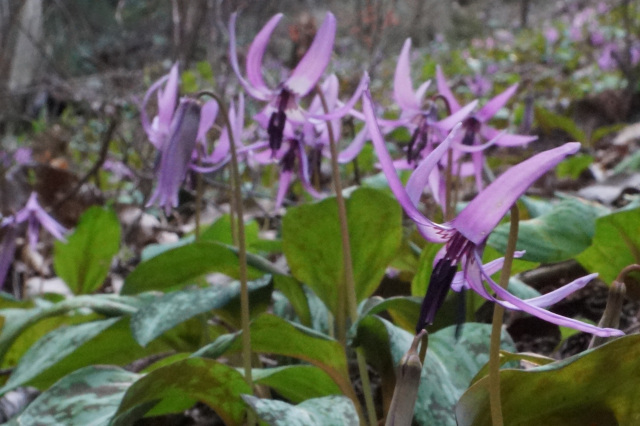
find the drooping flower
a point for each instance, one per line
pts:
(34, 217)
(465, 236)
(174, 131)
(476, 129)
(283, 100)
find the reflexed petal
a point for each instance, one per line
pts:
(304, 174)
(489, 132)
(261, 93)
(168, 97)
(348, 106)
(422, 89)
(510, 300)
(447, 123)
(402, 87)
(432, 231)
(484, 212)
(445, 91)
(208, 115)
(419, 178)
(494, 105)
(256, 53)
(354, 148)
(308, 71)
(459, 282)
(283, 187)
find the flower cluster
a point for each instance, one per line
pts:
(300, 118)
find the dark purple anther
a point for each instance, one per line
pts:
(288, 161)
(277, 121)
(472, 126)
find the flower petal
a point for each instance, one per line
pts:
(208, 115)
(402, 88)
(489, 132)
(447, 123)
(260, 92)
(168, 97)
(348, 106)
(420, 177)
(283, 187)
(494, 105)
(432, 231)
(445, 91)
(308, 71)
(509, 299)
(354, 148)
(484, 212)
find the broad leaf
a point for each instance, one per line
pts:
(327, 411)
(555, 236)
(312, 242)
(448, 369)
(83, 261)
(297, 383)
(271, 334)
(178, 386)
(176, 307)
(182, 265)
(597, 387)
(616, 244)
(89, 396)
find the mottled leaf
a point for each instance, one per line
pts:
(52, 348)
(448, 368)
(271, 334)
(181, 265)
(312, 243)
(616, 244)
(83, 261)
(176, 307)
(596, 387)
(558, 235)
(89, 396)
(327, 411)
(177, 386)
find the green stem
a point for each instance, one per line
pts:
(199, 190)
(349, 287)
(496, 326)
(242, 250)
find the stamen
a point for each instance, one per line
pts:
(277, 122)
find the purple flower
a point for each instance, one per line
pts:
(466, 235)
(174, 132)
(34, 216)
(476, 128)
(283, 100)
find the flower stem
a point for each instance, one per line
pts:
(496, 326)
(348, 285)
(242, 250)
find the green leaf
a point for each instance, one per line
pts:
(327, 411)
(271, 334)
(20, 320)
(83, 262)
(596, 387)
(573, 166)
(177, 386)
(616, 244)
(549, 121)
(69, 348)
(176, 307)
(296, 383)
(182, 265)
(295, 293)
(89, 396)
(52, 348)
(555, 236)
(312, 243)
(449, 366)
(420, 281)
(510, 357)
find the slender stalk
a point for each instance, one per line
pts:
(348, 286)
(242, 250)
(496, 326)
(199, 190)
